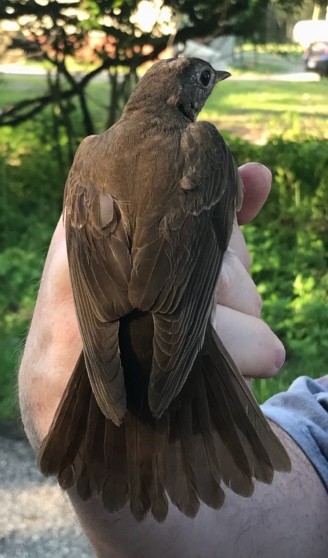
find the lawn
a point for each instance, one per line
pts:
(254, 109)
(15, 88)
(264, 95)
(259, 109)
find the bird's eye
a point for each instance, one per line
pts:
(205, 77)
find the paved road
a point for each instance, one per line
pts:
(35, 517)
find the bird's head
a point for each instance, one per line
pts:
(197, 81)
(184, 83)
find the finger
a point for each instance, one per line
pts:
(236, 289)
(255, 349)
(238, 246)
(257, 184)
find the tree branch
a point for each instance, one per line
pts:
(13, 116)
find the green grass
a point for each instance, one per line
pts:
(14, 88)
(258, 96)
(259, 109)
(254, 99)
(258, 69)
(230, 97)
(254, 110)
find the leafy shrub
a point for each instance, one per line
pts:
(31, 192)
(289, 246)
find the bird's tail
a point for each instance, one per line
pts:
(85, 450)
(213, 434)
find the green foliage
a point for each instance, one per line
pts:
(32, 182)
(289, 247)
(19, 275)
(31, 191)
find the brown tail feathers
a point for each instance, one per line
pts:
(213, 434)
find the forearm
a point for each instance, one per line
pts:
(285, 520)
(52, 346)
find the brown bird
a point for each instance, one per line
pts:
(155, 405)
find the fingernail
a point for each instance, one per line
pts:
(259, 303)
(280, 357)
(264, 169)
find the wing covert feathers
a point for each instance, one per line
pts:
(100, 265)
(213, 435)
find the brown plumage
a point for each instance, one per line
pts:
(155, 407)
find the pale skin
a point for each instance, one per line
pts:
(286, 520)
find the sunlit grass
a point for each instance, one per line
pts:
(258, 96)
(234, 95)
(14, 88)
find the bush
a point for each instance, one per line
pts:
(31, 203)
(289, 247)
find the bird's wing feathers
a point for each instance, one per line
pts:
(213, 431)
(189, 244)
(99, 260)
(175, 263)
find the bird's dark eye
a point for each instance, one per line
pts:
(205, 77)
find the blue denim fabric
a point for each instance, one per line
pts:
(302, 411)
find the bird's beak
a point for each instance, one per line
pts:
(220, 75)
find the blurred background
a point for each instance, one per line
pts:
(67, 68)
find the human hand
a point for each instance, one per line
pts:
(253, 346)
(54, 343)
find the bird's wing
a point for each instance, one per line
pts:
(99, 262)
(175, 273)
